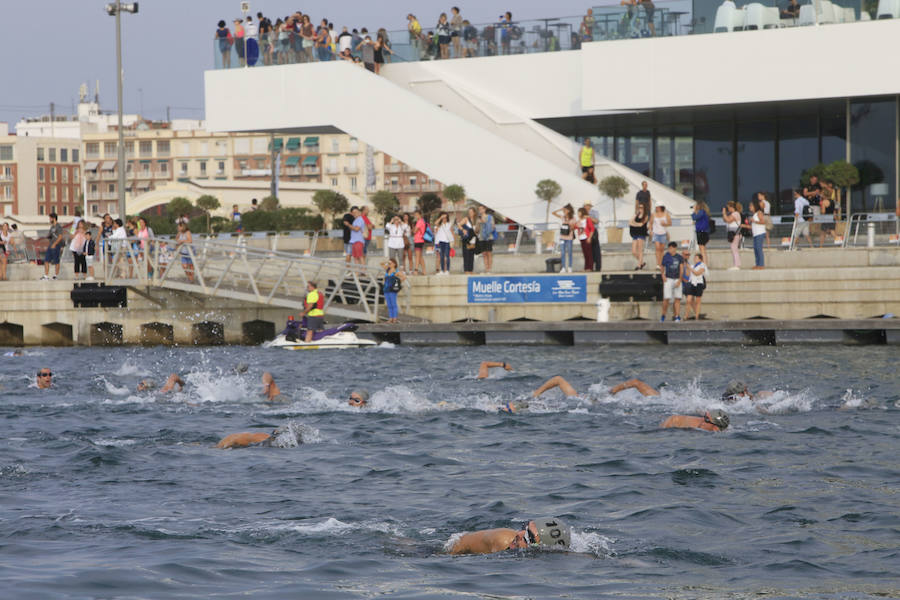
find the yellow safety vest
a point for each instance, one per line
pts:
(314, 299)
(587, 156)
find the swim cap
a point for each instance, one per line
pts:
(734, 389)
(146, 385)
(553, 532)
(718, 418)
(362, 394)
(240, 368)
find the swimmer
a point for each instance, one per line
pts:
(147, 385)
(553, 382)
(636, 384)
(13, 353)
(44, 378)
(737, 390)
(249, 438)
(484, 369)
(359, 398)
(547, 533)
(712, 420)
(270, 389)
(514, 407)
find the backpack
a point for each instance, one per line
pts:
(515, 32)
(712, 226)
(807, 212)
(745, 220)
(428, 236)
(396, 285)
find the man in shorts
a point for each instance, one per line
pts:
(586, 159)
(672, 270)
(314, 313)
(358, 238)
(56, 237)
(802, 217)
(347, 226)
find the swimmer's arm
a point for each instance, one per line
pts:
(484, 368)
(637, 384)
(553, 382)
(484, 542)
(171, 382)
(242, 440)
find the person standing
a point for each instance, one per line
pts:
(56, 237)
(595, 239)
(415, 35)
(393, 282)
(661, 221)
(366, 50)
(566, 236)
(700, 217)
(313, 312)
(419, 242)
(732, 217)
(183, 245)
(586, 160)
(395, 238)
(443, 237)
(758, 229)
(687, 289)
(586, 231)
(251, 31)
(347, 227)
(236, 215)
(486, 236)
(5, 246)
(456, 25)
(77, 247)
(90, 249)
(672, 270)
(225, 40)
(323, 42)
(763, 198)
(239, 41)
(643, 197)
(364, 213)
(637, 228)
(802, 217)
(698, 282)
(358, 237)
(468, 239)
(407, 243)
(442, 29)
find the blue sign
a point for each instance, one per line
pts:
(529, 288)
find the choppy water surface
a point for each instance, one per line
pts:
(108, 493)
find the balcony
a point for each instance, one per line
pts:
(431, 187)
(351, 170)
(393, 168)
(311, 170)
(332, 170)
(412, 187)
(4, 177)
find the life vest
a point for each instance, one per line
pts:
(314, 298)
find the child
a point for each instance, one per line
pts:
(163, 258)
(90, 249)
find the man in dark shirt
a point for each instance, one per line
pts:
(56, 237)
(347, 226)
(643, 197)
(672, 270)
(812, 191)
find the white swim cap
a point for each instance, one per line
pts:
(553, 532)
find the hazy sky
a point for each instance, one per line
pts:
(168, 45)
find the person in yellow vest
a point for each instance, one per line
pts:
(315, 316)
(586, 160)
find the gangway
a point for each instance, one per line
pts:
(232, 270)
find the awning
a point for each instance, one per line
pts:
(109, 165)
(292, 161)
(91, 166)
(278, 143)
(162, 160)
(310, 161)
(311, 141)
(143, 185)
(293, 143)
(146, 162)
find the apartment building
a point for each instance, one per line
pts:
(407, 183)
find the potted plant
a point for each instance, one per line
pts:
(547, 190)
(614, 187)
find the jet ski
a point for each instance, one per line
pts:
(293, 337)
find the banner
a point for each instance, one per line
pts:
(528, 288)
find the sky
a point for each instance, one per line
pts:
(169, 44)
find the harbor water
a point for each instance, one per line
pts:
(106, 492)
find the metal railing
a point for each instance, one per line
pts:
(233, 270)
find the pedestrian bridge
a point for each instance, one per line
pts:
(232, 270)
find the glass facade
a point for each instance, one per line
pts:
(722, 153)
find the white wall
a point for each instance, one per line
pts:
(827, 61)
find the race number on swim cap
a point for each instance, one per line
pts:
(553, 532)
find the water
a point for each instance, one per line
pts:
(107, 493)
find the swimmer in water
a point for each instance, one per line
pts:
(636, 384)
(44, 378)
(249, 438)
(13, 353)
(712, 420)
(270, 389)
(553, 382)
(549, 532)
(484, 370)
(738, 390)
(147, 385)
(359, 398)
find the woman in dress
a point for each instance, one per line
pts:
(637, 227)
(381, 48)
(566, 214)
(442, 30)
(184, 241)
(732, 217)
(224, 39)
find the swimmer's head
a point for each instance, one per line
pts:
(735, 390)
(358, 398)
(513, 407)
(289, 435)
(551, 533)
(240, 368)
(146, 385)
(717, 417)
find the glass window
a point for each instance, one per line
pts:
(184, 168)
(162, 148)
(675, 160)
(63, 155)
(221, 169)
(798, 150)
(334, 182)
(129, 149)
(6, 152)
(242, 146)
(40, 173)
(714, 170)
(635, 152)
(41, 195)
(203, 168)
(52, 154)
(52, 193)
(92, 149)
(40, 154)
(110, 149)
(41, 209)
(755, 159)
(75, 157)
(164, 168)
(146, 148)
(873, 139)
(52, 173)
(111, 188)
(64, 172)
(335, 145)
(75, 174)
(834, 135)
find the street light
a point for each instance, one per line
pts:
(115, 10)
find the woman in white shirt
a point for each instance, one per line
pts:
(566, 235)
(443, 237)
(758, 229)
(732, 217)
(697, 284)
(396, 238)
(661, 220)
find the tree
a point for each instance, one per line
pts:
(385, 204)
(818, 170)
(428, 203)
(843, 175)
(614, 187)
(179, 206)
(208, 204)
(456, 194)
(330, 202)
(269, 204)
(547, 190)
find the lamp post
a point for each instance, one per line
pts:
(115, 10)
